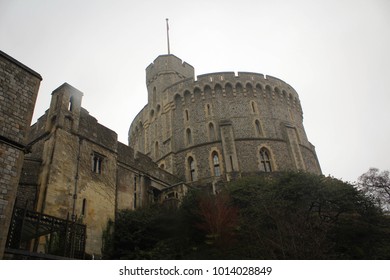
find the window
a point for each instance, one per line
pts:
(238, 88)
(187, 116)
(97, 162)
(258, 128)
(70, 106)
(249, 88)
(189, 136)
(265, 160)
(217, 169)
(84, 207)
(191, 165)
(254, 106)
(208, 110)
(229, 89)
(211, 132)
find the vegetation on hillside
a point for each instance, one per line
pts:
(273, 216)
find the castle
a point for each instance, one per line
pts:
(194, 132)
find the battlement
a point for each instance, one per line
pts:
(248, 81)
(167, 64)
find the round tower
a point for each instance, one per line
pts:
(221, 125)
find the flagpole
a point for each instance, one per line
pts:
(169, 50)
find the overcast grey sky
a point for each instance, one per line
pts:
(335, 53)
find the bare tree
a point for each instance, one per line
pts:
(376, 185)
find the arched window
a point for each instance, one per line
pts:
(207, 91)
(238, 88)
(249, 88)
(277, 91)
(217, 169)
(268, 90)
(258, 128)
(229, 89)
(265, 160)
(208, 110)
(259, 88)
(191, 168)
(218, 89)
(197, 92)
(253, 106)
(189, 136)
(211, 132)
(187, 97)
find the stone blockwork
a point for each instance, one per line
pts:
(77, 168)
(18, 92)
(221, 125)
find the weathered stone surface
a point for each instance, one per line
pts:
(18, 92)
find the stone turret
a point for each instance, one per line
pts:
(65, 108)
(163, 72)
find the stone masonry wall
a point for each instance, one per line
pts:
(18, 92)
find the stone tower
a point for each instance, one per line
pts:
(72, 166)
(220, 125)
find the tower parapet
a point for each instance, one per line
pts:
(168, 65)
(163, 72)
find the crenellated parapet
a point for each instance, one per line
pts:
(228, 83)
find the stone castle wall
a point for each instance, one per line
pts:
(18, 92)
(61, 176)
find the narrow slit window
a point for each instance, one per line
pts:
(189, 136)
(84, 207)
(211, 132)
(258, 128)
(70, 105)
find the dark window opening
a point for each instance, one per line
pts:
(84, 208)
(70, 105)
